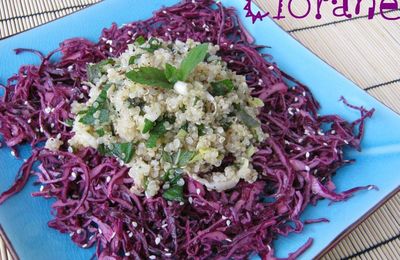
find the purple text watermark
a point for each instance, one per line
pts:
(340, 8)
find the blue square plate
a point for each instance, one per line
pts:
(24, 218)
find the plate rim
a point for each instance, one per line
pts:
(8, 245)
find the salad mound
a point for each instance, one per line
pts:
(167, 110)
(96, 198)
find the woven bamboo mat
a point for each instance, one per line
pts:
(365, 51)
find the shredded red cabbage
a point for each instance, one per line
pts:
(93, 202)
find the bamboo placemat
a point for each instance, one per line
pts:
(365, 51)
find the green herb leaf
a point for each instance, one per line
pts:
(132, 59)
(104, 115)
(136, 102)
(101, 106)
(88, 118)
(201, 130)
(102, 149)
(185, 127)
(154, 45)
(148, 125)
(175, 178)
(140, 40)
(82, 112)
(124, 151)
(185, 157)
(159, 128)
(225, 124)
(69, 122)
(170, 119)
(152, 141)
(100, 132)
(156, 132)
(95, 70)
(171, 73)
(172, 176)
(175, 193)
(221, 88)
(146, 182)
(166, 157)
(175, 157)
(181, 134)
(196, 99)
(248, 120)
(194, 57)
(149, 76)
(165, 177)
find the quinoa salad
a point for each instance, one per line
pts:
(175, 137)
(167, 129)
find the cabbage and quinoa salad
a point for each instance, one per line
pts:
(174, 138)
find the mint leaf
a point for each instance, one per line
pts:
(221, 88)
(175, 193)
(123, 151)
(101, 105)
(100, 132)
(95, 70)
(132, 59)
(149, 76)
(171, 73)
(159, 128)
(69, 122)
(154, 45)
(201, 130)
(155, 133)
(175, 178)
(102, 149)
(104, 115)
(152, 141)
(185, 157)
(185, 127)
(148, 125)
(193, 58)
(166, 157)
(136, 102)
(88, 118)
(82, 112)
(140, 40)
(248, 120)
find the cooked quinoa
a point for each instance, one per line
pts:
(163, 133)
